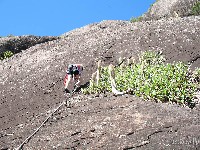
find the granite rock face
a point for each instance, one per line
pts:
(31, 87)
(170, 8)
(16, 44)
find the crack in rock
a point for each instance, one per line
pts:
(138, 145)
(194, 59)
(76, 133)
(145, 142)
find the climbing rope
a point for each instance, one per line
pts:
(28, 138)
(63, 103)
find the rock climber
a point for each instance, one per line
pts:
(73, 72)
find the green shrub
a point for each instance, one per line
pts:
(138, 19)
(5, 55)
(151, 79)
(10, 35)
(196, 9)
(104, 84)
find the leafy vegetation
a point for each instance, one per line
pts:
(150, 79)
(10, 35)
(138, 19)
(196, 9)
(5, 55)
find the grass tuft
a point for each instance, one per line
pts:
(196, 9)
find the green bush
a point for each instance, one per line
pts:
(104, 83)
(196, 9)
(151, 79)
(10, 35)
(5, 55)
(138, 19)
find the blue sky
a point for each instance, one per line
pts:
(55, 17)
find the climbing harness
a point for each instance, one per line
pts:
(28, 138)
